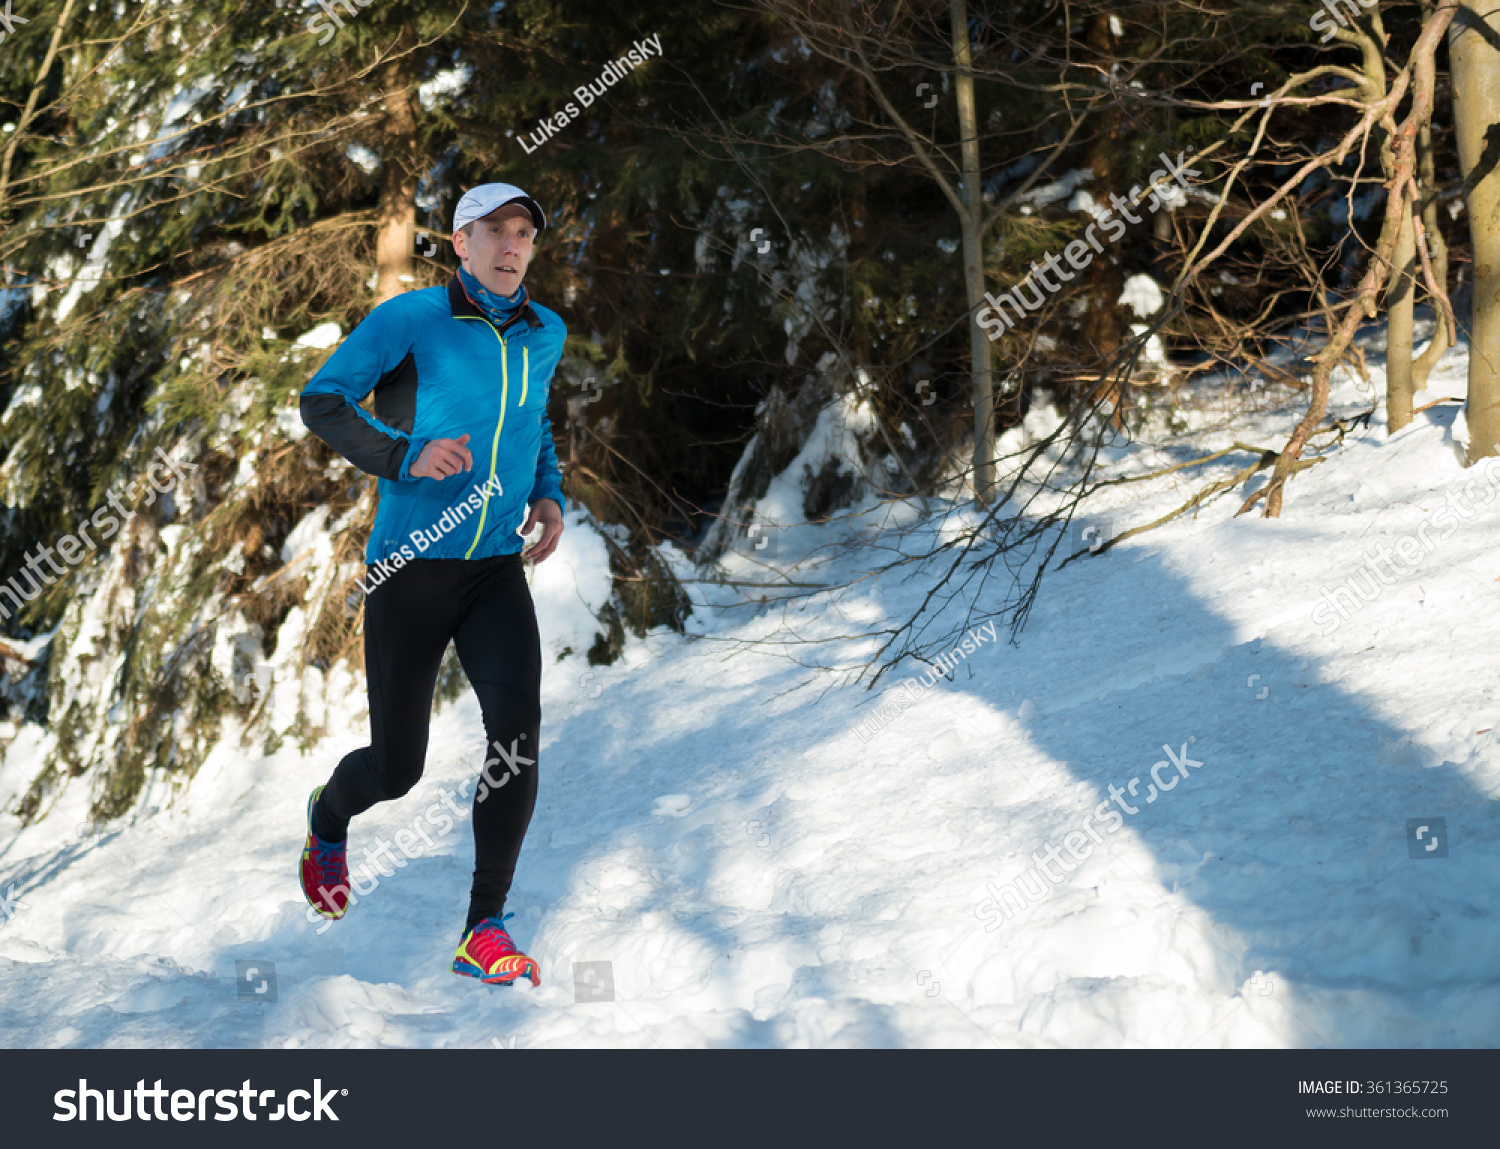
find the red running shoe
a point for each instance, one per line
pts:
(325, 870)
(488, 953)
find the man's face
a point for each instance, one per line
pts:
(500, 248)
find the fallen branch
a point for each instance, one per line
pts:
(1202, 497)
(1436, 403)
(1238, 446)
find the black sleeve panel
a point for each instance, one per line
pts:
(350, 430)
(396, 396)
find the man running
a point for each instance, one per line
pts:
(460, 375)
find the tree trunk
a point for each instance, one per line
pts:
(1398, 338)
(1476, 106)
(1397, 233)
(858, 249)
(1403, 166)
(1104, 325)
(972, 221)
(396, 239)
(1437, 249)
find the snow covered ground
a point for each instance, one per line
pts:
(755, 872)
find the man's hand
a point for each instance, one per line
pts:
(441, 458)
(549, 514)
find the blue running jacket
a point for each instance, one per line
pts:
(440, 369)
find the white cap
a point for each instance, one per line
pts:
(479, 201)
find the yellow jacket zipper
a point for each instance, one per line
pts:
(495, 446)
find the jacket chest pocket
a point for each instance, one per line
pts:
(529, 384)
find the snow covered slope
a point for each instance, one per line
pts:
(718, 824)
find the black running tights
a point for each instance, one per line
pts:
(484, 607)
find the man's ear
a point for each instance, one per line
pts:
(460, 245)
